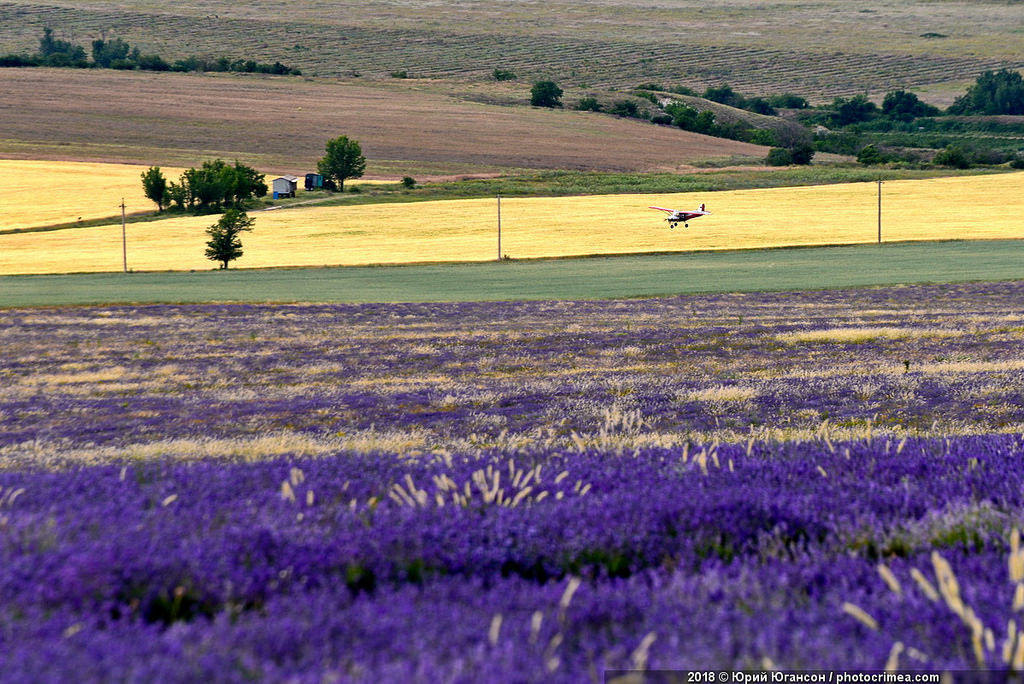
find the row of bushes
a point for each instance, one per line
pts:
(209, 188)
(118, 54)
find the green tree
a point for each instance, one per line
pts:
(903, 105)
(852, 110)
(995, 92)
(801, 152)
(344, 159)
(224, 244)
(155, 186)
(60, 53)
(689, 119)
(545, 94)
(207, 185)
(247, 183)
(106, 53)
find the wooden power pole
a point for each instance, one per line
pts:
(124, 239)
(879, 212)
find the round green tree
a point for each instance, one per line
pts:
(224, 244)
(344, 159)
(155, 186)
(545, 94)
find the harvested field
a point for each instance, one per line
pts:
(821, 49)
(40, 193)
(281, 124)
(465, 230)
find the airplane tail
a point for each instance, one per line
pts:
(702, 206)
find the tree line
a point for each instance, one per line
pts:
(209, 188)
(847, 118)
(116, 53)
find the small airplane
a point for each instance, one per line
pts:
(675, 215)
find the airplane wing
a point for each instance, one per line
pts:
(671, 211)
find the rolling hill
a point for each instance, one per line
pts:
(281, 124)
(820, 49)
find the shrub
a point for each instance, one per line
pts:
(409, 181)
(759, 105)
(870, 155)
(545, 94)
(503, 75)
(838, 142)
(764, 136)
(13, 60)
(778, 156)
(682, 90)
(689, 119)
(626, 108)
(788, 101)
(588, 104)
(724, 94)
(953, 156)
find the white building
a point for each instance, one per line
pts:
(285, 186)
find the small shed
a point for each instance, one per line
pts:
(285, 186)
(314, 181)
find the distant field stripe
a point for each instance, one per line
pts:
(568, 279)
(965, 207)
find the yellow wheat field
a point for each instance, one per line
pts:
(978, 207)
(43, 193)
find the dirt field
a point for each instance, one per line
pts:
(280, 124)
(466, 230)
(819, 49)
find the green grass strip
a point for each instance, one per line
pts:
(576, 278)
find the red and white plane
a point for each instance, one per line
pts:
(676, 215)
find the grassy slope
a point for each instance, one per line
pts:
(821, 48)
(604, 277)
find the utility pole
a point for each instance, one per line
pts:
(879, 211)
(124, 240)
(499, 227)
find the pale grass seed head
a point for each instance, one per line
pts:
(860, 335)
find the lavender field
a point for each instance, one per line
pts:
(513, 491)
